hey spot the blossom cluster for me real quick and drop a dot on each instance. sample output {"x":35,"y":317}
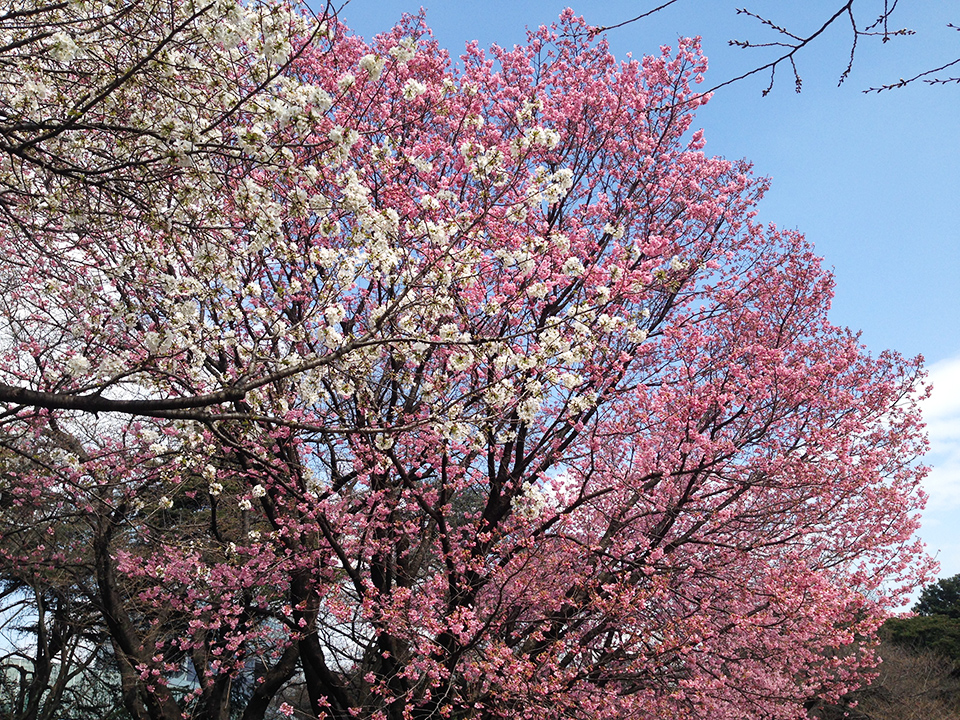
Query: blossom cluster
{"x":464,"y":390}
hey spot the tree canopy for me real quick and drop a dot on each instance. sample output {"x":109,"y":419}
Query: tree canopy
{"x":940,"y":598}
{"x":383,"y":388}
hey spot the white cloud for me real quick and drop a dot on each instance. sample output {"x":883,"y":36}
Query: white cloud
{"x":942,"y":415}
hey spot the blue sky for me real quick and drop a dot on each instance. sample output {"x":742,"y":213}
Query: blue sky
{"x":872,"y":179}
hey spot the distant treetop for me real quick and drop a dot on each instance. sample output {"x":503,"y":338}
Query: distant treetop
{"x":940,"y":598}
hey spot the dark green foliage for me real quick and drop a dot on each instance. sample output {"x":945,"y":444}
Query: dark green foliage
{"x":940,"y":598}
{"x":937,"y":633}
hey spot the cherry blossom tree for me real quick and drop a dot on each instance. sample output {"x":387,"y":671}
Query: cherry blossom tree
{"x":389,"y":388}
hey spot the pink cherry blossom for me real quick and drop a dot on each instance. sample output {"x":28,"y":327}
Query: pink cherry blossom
{"x":405,"y":389}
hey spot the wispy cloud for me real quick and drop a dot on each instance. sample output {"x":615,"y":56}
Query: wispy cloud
{"x":942,"y":415}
